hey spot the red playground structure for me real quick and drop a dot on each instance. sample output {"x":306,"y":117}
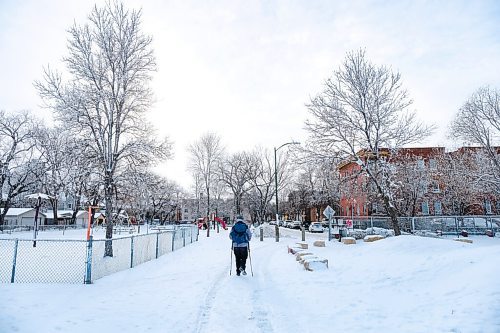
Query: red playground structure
{"x":202,"y":223}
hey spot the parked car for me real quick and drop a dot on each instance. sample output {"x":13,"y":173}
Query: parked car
{"x":316,"y":227}
{"x":295,"y":224}
{"x":288,"y":223}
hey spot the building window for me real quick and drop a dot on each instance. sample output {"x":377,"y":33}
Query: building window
{"x":432,"y":164}
{"x":437,"y":208}
{"x":487,"y":207}
{"x":422,"y":187}
{"x":425,"y":208}
{"x":435,"y":187}
{"x":185,"y":210}
{"x":420,"y":164}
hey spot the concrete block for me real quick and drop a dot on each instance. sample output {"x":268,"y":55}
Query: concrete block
{"x":298,"y":256}
{"x":465,"y":240}
{"x":372,"y":238}
{"x":319,"y":243}
{"x":307,"y":257}
{"x":303,"y":245}
{"x":348,"y":240}
{"x":294,"y":250}
{"x":316,"y":264}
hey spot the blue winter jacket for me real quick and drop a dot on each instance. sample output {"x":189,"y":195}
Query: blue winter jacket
{"x":240,"y":227}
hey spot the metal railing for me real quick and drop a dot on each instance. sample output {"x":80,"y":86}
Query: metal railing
{"x":446,"y":225}
{"x":80,"y":261}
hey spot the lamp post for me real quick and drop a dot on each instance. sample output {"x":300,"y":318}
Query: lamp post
{"x":276,"y":175}
{"x":38,"y":197}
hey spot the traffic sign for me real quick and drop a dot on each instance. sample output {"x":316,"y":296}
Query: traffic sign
{"x":328,"y":212}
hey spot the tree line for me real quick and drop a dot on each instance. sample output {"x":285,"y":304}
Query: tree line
{"x":101,"y":148}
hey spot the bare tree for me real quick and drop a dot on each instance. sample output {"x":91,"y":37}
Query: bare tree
{"x":20,"y":168}
{"x":110,"y":64}
{"x":53,"y":143}
{"x":412,"y":179}
{"x":235,"y":174}
{"x":206,"y":153}
{"x":478,"y":122}
{"x":364,"y":108}
{"x":262,"y":180}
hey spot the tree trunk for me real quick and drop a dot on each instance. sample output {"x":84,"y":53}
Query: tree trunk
{"x":391,"y":210}
{"x":108,"y":195}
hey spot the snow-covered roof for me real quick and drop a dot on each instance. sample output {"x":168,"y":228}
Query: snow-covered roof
{"x":18,"y":211}
{"x":63,"y":214}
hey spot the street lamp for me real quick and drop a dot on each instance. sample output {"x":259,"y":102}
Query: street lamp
{"x":38,"y":196}
{"x":276,"y":175}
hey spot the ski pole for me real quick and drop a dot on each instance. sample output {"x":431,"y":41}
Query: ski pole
{"x":231,"y":268}
{"x":250,"y":256}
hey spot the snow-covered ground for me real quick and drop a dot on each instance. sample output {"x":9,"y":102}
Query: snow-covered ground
{"x":399,"y":284}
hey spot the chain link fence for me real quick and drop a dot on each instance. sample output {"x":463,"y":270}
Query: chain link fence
{"x":79,"y":261}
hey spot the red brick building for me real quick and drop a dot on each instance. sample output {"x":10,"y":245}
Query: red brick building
{"x":427,"y":172}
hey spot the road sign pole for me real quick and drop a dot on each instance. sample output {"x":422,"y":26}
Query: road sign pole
{"x":329,"y":229}
{"x":329,"y":212}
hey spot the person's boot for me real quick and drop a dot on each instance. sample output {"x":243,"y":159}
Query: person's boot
{"x":237,"y":271}
{"x":243,"y":271}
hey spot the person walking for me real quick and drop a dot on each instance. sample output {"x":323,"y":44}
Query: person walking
{"x":240,"y":235}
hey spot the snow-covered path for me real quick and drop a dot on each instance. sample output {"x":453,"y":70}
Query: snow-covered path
{"x":400,"y":284}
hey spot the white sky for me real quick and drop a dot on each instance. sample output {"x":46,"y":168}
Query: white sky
{"x":400,"y":284}
{"x":245,"y":69}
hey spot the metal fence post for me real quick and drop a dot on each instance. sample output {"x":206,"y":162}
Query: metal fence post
{"x":173,"y":240}
{"x":157,"y":245}
{"x":14,"y":262}
{"x":131,"y":251}
{"x":413,"y":224}
{"x":183,"y":237}
{"x":88,"y":272}
{"x":371,"y":222}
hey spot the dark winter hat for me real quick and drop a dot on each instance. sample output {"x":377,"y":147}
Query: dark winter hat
{"x":239,"y":218}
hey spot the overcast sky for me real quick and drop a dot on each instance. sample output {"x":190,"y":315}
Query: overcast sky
{"x":245,"y":69}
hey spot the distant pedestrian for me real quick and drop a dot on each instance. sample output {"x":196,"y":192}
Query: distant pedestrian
{"x":240,"y":235}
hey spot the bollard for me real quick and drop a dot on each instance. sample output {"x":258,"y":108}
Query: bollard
{"x":157,"y":247}
{"x":88,"y":273}
{"x":277,"y":229}
{"x":14,"y":259}
{"x":132,"y":252}
{"x":261,"y":234}
{"x":303,"y":234}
